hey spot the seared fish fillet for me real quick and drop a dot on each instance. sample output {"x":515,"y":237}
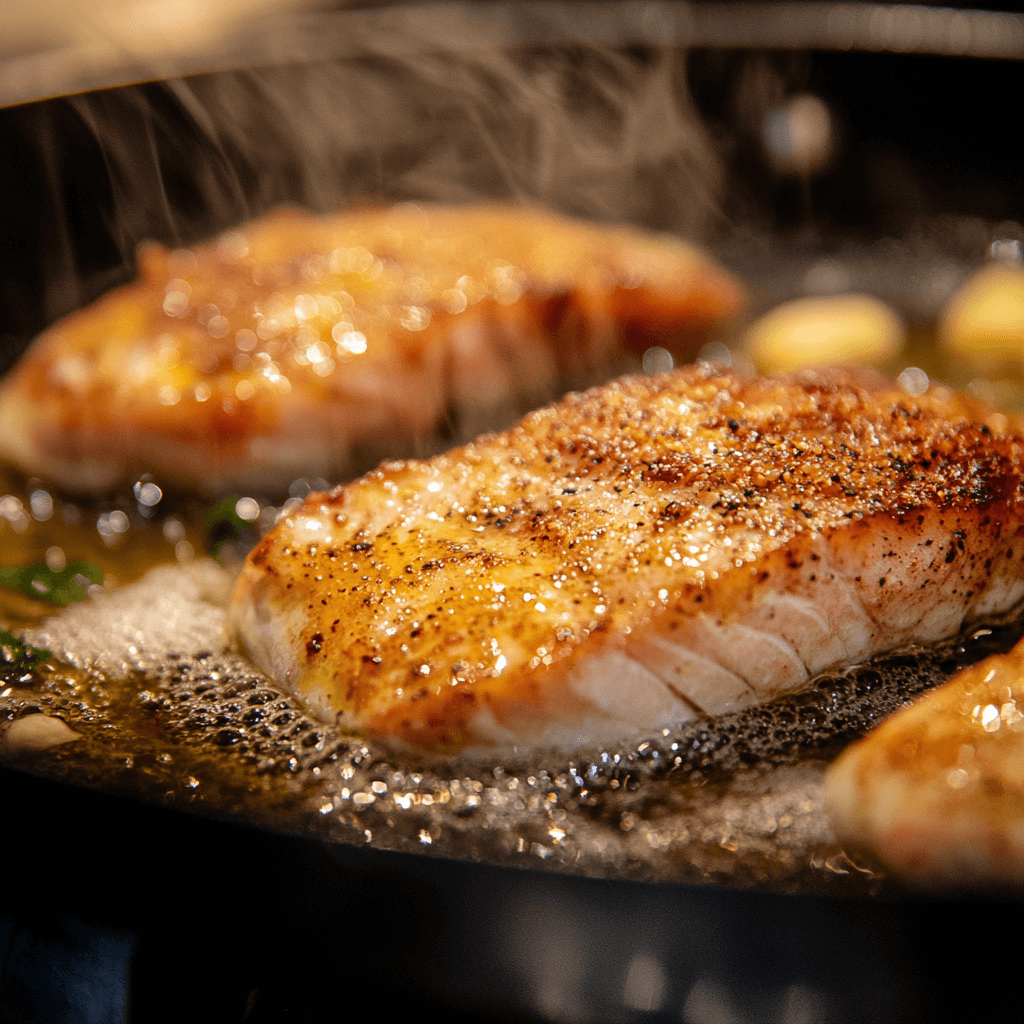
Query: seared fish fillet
{"x":647,"y":552}
{"x":306,"y":346}
{"x":937,"y":791}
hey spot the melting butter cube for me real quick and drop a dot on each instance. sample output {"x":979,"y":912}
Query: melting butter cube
{"x":849,"y":330}
{"x":984,"y":321}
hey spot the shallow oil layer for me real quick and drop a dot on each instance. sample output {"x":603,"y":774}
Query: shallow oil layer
{"x":165,"y":710}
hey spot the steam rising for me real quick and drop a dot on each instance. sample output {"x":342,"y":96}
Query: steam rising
{"x":590,"y":131}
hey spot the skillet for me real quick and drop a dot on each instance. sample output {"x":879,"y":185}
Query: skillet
{"x":238,"y":908}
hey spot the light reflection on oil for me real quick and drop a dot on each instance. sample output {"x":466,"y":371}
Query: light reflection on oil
{"x":645,"y":984}
{"x":799,"y":135}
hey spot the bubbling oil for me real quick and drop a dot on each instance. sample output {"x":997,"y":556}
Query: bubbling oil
{"x":166,"y":710}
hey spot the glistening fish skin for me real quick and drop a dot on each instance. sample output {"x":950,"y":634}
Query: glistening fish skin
{"x":640,"y":554}
{"x":315,"y":346}
{"x":937,"y":791}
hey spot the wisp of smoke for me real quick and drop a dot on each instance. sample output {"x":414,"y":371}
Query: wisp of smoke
{"x":596,"y":132}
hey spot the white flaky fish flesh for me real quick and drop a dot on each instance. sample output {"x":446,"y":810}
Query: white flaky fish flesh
{"x":639,"y":555}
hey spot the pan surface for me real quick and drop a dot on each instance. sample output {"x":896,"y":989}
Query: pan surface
{"x":214,"y":920}
{"x":288,"y":917}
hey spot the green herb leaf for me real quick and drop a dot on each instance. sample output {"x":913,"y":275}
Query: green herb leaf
{"x":60,"y":586}
{"x":18,"y":656}
{"x":224,"y":525}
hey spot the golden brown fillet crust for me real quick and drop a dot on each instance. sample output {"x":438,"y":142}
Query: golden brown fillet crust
{"x":937,"y":791}
{"x":427,"y":592}
{"x":282,"y":348}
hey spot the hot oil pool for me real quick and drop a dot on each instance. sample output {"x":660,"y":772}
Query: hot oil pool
{"x":154,"y":703}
